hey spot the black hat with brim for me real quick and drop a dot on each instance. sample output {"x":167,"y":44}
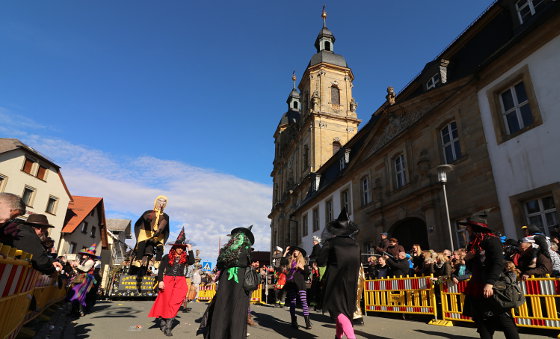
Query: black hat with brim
{"x":342,"y":226}
{"x":38,"y":220}
{"x":301,"y":250}
{"x":476,"y":225}
{"x":246,"y":231}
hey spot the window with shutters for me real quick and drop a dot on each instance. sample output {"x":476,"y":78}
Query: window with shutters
{"x":28,"y":166}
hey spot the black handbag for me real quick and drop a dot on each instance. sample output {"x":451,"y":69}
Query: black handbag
{"x":252,"y":280}
{"x":507,"y":293}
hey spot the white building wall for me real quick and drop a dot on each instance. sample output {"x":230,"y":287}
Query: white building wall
{"x":532,"y":159}
{"x":307,"y":241}
{"x":11,"y":165}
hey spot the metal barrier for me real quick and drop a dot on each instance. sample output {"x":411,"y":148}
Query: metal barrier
{"x":400,"y":295}
{"x":540,"y":310}
{"x":206,"y":292}
{"x":256,"y":295}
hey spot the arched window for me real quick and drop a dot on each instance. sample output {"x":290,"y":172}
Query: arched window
{"x":327,"y":45}
{"x":335,"y":95}
{"x":295,"y":104}
{"x":335,"y":147}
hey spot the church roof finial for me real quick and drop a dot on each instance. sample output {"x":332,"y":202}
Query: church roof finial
{"x":324,"y":16}
{"x":294,"y":78}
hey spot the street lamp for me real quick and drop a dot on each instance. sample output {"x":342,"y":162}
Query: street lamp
{"x":442,"y":171}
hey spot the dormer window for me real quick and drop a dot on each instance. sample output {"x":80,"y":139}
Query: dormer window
{"x":527,"y":8}
{"x":434,"y":81}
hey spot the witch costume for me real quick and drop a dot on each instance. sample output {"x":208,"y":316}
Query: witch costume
{"x":226,"y":316}
{"x":341,"y":255}
{"x":295,"y":284}
{"x":151,"y":231}
{"x":172,"y":273}
{"x":83,"y":282}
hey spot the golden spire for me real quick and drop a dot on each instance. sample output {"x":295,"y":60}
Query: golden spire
{"x":324,"y":16}
{"x":294,"y":78}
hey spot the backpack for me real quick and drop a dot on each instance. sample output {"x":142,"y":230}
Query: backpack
{"x":507,"y":293}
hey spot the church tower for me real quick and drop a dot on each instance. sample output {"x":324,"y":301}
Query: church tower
{"x":321,"y":118}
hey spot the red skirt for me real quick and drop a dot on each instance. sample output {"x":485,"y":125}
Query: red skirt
{"x":170,"y":298}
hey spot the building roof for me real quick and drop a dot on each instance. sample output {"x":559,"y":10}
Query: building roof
{"x":78,"y":210}
{"x":329,"y":58}
{"x":9,"y":144}
{"x":118,"y":225}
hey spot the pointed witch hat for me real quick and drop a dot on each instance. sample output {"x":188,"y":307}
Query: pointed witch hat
{"x":342,"y":226}
{"x":91,"y":251}
{"x":246,"y":231}
{"x":180,"y":242}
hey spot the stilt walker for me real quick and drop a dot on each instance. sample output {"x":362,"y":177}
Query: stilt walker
{"x":172,"y":283}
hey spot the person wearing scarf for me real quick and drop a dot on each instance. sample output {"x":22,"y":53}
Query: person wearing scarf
{"x":172,"y":283}
{"x":486,"y":262}
{"x":83,"y":282}
{"x":226,"y":316}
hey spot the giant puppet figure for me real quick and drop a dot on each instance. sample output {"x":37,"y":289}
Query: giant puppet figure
{"x":152,"y":231}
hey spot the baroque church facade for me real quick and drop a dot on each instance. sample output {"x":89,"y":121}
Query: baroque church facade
{"x":321,"y":118}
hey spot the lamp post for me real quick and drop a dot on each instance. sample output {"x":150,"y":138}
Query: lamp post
{"x":442,"y":171}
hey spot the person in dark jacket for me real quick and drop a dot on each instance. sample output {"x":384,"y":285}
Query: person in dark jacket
{"x":172,"y":283}
{"x":485,"y":260}
{"x":11,"y":207}
{"x":383,"y":243}
{"x":341,"y":255}
{"x":316,"y":249}
{"x":226,"y":316}
{"x":532,"y":261}
{"x":30,"y":239}
{"x":381,"y":269}
{"x":394,"y":248}
{"x":399,"y":266}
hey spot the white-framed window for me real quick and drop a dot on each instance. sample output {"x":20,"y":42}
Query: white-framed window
{"x":450,"y":143}
{"x":51,"y":205}
{"x":28,"y":196}
{"x":365,"y":192}
{"x":329,"y":210}
{"x":84,"y":227}
{"x":72,"y":248}
{"x":541,"y":212}
{"x":3,"y":180}
{"x":515,"y":108}
{"x":400,"y":171}
{"x":433,"y":81}
{"x":316,"y":219}
{"x":304,"y":226}
{"x":345,"y":200}
{"x":527,"y":8}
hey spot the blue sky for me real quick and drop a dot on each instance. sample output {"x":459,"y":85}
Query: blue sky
{"x":136,"y":97}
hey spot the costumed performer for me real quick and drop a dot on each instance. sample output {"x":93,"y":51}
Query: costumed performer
{"x":295,"y":286}
{"x":152,"y":231}
{"x":226,"y":316}
{"x":486,"y":262}
{"x":172,"y":283}
{"x":341,"y":255}
{"x":83,"y":281}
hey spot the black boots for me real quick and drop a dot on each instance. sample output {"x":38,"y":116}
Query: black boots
{"x":162,"y":323}
{"x":307,"y":322}
{"x":294,"y":322}
{"x":168,"y":326}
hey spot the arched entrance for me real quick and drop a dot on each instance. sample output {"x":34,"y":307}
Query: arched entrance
{"x":410,"y":231}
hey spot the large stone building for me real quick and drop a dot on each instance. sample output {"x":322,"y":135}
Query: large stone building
{"x":386,"y":175}
{"x":38,"y":180}
{"x":321,"y":118}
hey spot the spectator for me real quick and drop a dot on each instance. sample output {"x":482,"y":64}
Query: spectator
{"x":370,"y":269}
{"x":196,"y":280}
{"x":398,"y":266}
{"x":429,"y":261}
{"x":316,"y":249}
{"x":381,"y":269}
{"x":533,"y":262}
{"x":417,"y":259}
{"x":459,"y":266}
{"x":11,"y":207}
{"x":277,"y":257}
{"x":442,"y":266}
{"x":394,"y":248}
{"x":383,"y":243}
{"x":30,"y":239}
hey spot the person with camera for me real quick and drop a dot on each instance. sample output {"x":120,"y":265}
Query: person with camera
{"x":485,"y":260}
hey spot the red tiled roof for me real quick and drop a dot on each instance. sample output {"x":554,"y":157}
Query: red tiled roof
{"x":78,"y":209}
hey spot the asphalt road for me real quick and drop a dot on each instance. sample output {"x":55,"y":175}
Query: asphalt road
{"x":128,"y":319}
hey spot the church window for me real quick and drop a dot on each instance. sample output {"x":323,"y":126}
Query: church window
{"x":295,"y":105}
{"x":336,"y":147}
{"x":327,"y":46}
{"x":335,"y":95}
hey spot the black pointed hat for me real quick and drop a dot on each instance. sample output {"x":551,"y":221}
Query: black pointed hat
{"x":180,"y":242}
{"x":246,"y":231}
{"x":342,"y":225}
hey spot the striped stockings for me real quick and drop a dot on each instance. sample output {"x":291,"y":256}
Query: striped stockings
{"x":292,"y":295}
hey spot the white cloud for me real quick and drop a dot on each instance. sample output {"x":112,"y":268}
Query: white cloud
{"x":208,"y":203}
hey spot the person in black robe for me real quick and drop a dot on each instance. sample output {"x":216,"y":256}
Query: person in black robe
{"x":341,"y":255}
{"x":486,"y":262}
{"x":226,"y":316}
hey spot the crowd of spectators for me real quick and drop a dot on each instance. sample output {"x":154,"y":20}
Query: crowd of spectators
{"x":533,"y":255}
